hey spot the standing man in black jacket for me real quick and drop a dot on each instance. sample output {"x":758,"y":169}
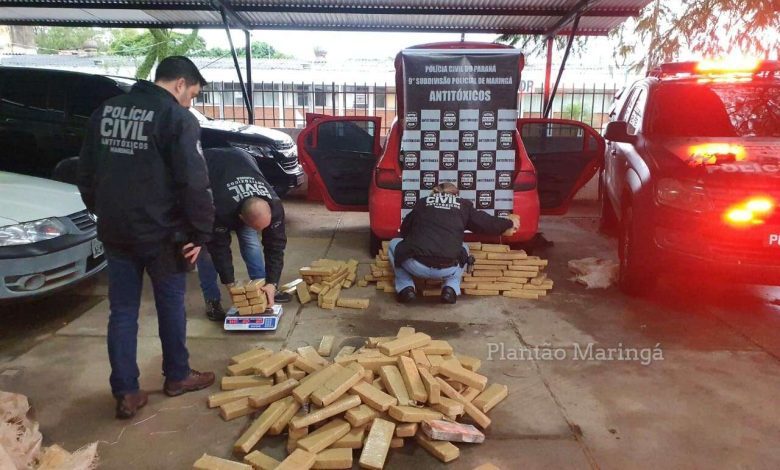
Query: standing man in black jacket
{"x":432,"y":245}
{"x":142,"y":172}
{"x":242,"y":197}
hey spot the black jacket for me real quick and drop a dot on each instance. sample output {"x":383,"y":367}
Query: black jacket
{"x":235,"y":177}
{"x":141,"y":171}
{"x":433,"y":232}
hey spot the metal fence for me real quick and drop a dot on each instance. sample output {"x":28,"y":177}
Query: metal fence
{"x":285,"y":105}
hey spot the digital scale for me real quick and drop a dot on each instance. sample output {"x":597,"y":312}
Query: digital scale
{"x":267,"y":322}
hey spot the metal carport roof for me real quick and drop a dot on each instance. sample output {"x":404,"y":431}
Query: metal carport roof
{"x":542,"y":17}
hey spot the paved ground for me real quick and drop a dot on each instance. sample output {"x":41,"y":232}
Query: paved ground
{"x":711,"y":402}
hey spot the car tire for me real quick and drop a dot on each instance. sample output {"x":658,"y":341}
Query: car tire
{"x":636,"y":275}
{"x":374,"y":244}
{"x":608,"y":221}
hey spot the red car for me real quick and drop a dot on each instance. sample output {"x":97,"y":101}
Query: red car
{"x":349,"y":170}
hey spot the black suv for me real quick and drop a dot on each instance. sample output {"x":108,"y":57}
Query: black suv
{"x":691,"y":176}
{"x":43,"y":115}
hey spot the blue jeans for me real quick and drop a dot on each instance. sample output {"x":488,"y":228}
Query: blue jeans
{"x":411,"y":268}
{"x":125,"y":280}
{"x":251,"y":252}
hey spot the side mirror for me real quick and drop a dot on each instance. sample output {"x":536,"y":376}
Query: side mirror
{"x":617,"y":131}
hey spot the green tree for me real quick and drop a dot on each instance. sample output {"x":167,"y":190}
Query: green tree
{"x":52,"y":40}
{"x":665,"y":29}
{"x":154,"y":45}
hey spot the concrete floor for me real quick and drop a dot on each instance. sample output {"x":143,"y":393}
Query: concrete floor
{"x":711,"y":402}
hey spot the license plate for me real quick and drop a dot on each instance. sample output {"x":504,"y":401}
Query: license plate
{"x":97,"y":248}
{"x":299,"y":180}
{"x":772,"y":239}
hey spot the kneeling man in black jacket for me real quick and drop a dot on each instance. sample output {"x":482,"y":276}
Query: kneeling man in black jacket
{"x":432,"y":245}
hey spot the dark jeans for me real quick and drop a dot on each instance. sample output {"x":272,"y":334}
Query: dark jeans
{"x":125,"y":280}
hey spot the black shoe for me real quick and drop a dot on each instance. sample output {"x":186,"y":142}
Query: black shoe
{"x":448,"y":295}
{"x":214,"y":310}
{"x":282,"y":297}
{"x":406,"y":295}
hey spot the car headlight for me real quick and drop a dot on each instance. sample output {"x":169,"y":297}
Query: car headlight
{"x":31,"y":232}
{"x":256,"y":150}
{"x":683,"y":195}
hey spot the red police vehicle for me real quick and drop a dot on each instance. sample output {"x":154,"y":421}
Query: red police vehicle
{"x":349,"y":170}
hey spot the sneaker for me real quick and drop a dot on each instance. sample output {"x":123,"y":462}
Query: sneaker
{"x":406,"y":295}
{"x":282,"y":297}
{"x":448,"y":295}
{"x":214,"y":310}
{"x":195,"y":381}
{"x":128,"y":405}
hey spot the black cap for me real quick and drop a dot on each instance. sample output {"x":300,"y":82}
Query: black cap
{"x":176,"y":67}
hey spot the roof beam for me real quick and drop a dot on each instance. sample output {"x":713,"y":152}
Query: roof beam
{"x":229,"y":14}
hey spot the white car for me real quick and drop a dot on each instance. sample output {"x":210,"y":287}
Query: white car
{"x":48,"y":239}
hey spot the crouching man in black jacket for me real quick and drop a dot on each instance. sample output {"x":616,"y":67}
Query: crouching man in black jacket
{"x":432,"y":245}
{"x":242,"y":197}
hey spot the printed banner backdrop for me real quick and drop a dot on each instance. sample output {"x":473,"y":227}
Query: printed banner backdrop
{"x":460,"y":118}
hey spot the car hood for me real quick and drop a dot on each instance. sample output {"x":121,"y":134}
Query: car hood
{"x":735,"y":157}
{"x":25,"y":198}
{"x":277,"y":137}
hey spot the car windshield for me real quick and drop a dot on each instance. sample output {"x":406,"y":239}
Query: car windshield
{"x":716,"y":110}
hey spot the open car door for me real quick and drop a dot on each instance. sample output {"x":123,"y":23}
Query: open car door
{"x":566,"y":155}
{"x":339,"y":154}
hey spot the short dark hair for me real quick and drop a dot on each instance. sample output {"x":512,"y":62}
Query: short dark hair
{"x":176,"y":67}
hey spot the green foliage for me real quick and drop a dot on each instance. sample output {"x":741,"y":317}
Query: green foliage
{"x":260,"y":50}
{"x":154,"y":45}
{"x":52,"y":40}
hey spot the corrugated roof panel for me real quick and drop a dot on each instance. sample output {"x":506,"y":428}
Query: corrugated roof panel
{"x":490,"y":23}
{"x":173,"y":16}
{"x":497,"y":16}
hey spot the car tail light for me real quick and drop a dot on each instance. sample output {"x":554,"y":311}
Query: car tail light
{"x":388,"y":179}
{"x":750,"y":212}
{"x":524,"y":181}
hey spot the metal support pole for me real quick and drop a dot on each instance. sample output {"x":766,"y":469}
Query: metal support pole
{"x":548,"y":72}
{"x":238,"y":67}
{"x":573,"y":33}
{"x":250,"y":87}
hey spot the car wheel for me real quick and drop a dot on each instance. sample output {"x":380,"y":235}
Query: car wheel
{"x":636,"y":275}
{"x":374,"y":244}
{"x":608,"y":222}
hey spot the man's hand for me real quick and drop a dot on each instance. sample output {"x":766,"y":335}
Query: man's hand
{"x":515,"y":225}
{"x":270,"y":292}
{"x":515,"y":222}
{"x":191,"y":252}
